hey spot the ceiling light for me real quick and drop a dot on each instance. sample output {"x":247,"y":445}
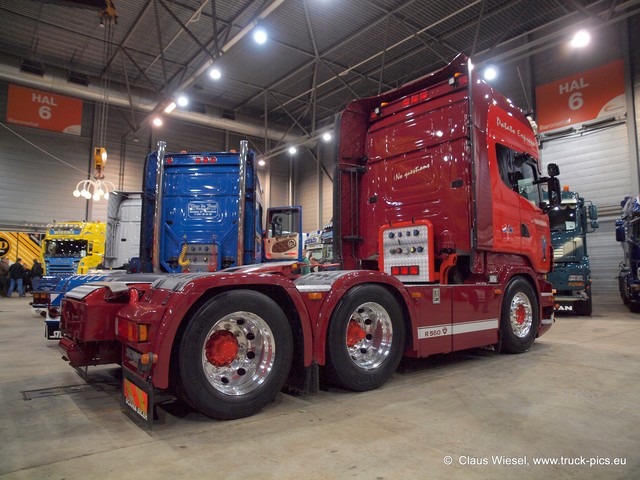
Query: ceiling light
{"x":215,"y":74}
{"x":157,"y":122}
{"x":293,"y":150}
{"x":261,"y":162}
{"x":183,"y":100}
{"x":490,"y":73}
{"x":95,"y":189}
{"x":170,"y":108}
{"x":326,"y":137}
{"x":581,"y":39}
{"x":260,"y":36}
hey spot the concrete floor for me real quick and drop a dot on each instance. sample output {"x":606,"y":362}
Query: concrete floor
{"x":573,"y":398}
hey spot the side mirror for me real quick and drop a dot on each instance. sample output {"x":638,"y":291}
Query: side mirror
{"x":620,"y":234}
{"x":553,"y":170}
{"x":554,"y":192}
{"x":593,"y":212}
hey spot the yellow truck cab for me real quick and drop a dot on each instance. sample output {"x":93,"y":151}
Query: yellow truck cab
{"x":73,"y":247}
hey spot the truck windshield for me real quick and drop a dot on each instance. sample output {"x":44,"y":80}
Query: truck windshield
{"x":66,"y":248}
{"x":563,"y":217}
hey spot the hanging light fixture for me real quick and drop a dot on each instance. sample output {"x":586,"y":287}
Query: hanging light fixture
{"x":98,"y":187}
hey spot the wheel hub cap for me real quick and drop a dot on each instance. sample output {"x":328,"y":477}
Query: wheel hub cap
{"x":221,"y":348}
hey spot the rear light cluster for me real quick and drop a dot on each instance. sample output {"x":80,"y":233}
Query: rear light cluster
{"x":40,"y":298}
{"x":132,"y":332}
{"x":406,"y":270}
{"x":405,"y":102}
{"x":415,"y":98}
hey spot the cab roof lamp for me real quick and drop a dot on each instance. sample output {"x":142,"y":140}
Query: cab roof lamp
{"x":581,"y":39}
{"x":260,"y":36}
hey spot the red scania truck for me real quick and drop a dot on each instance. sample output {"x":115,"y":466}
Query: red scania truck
{"x":444,"y":245}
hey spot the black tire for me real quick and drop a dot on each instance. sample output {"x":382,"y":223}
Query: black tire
{"x":365,"y":339}
{"x":622,"y":286}
{"x":519,"y":317}
{"x":235,"y":355}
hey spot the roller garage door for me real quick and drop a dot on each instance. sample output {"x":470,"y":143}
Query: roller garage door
{"x":595,"y":163}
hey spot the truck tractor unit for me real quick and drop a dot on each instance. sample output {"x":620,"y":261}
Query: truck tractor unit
{"x":571,"y":277}
{"x":442,"y":242}
{"x":73,"y":247}
{"x":628,"y":234}
{"x":205,"y":209}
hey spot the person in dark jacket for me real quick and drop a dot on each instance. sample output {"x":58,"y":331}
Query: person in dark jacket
{"x":16,"y":274}
{"x":36,"y":275}
{"x":4,"y":276}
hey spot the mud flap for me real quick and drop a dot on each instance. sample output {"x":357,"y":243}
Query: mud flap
{"x":303,"y":380}
{"x":138,"y":399}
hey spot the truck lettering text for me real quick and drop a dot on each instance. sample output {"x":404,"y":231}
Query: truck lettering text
{"x":400,"y":176}
{"x":505,"y":125}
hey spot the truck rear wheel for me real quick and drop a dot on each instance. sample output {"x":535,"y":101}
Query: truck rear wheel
{"x":365,"y":339}
{"x":519,"y":317}
{"x":235,"y":355}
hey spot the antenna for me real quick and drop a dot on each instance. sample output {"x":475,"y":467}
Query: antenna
{"x":524,"y":90}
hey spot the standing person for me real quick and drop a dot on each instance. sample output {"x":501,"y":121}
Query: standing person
{"x":4,"y":272}
{"x":16,"y":274}
{"x":305,"y":263}
{"x":36,"y":275}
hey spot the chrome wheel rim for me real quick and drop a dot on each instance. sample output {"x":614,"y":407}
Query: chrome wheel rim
{"x":521,"y":315}
{"x":238,"y":353}
{"x":369,"y":335}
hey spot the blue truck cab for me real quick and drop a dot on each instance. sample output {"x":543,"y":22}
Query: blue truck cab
{"x":202,"y":210}
{"x":570,"y":222}
{"x":628,"y":234}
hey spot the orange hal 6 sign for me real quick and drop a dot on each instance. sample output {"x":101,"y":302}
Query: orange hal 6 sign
{"x":45,"y":110}
{"x":596,"y":93}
